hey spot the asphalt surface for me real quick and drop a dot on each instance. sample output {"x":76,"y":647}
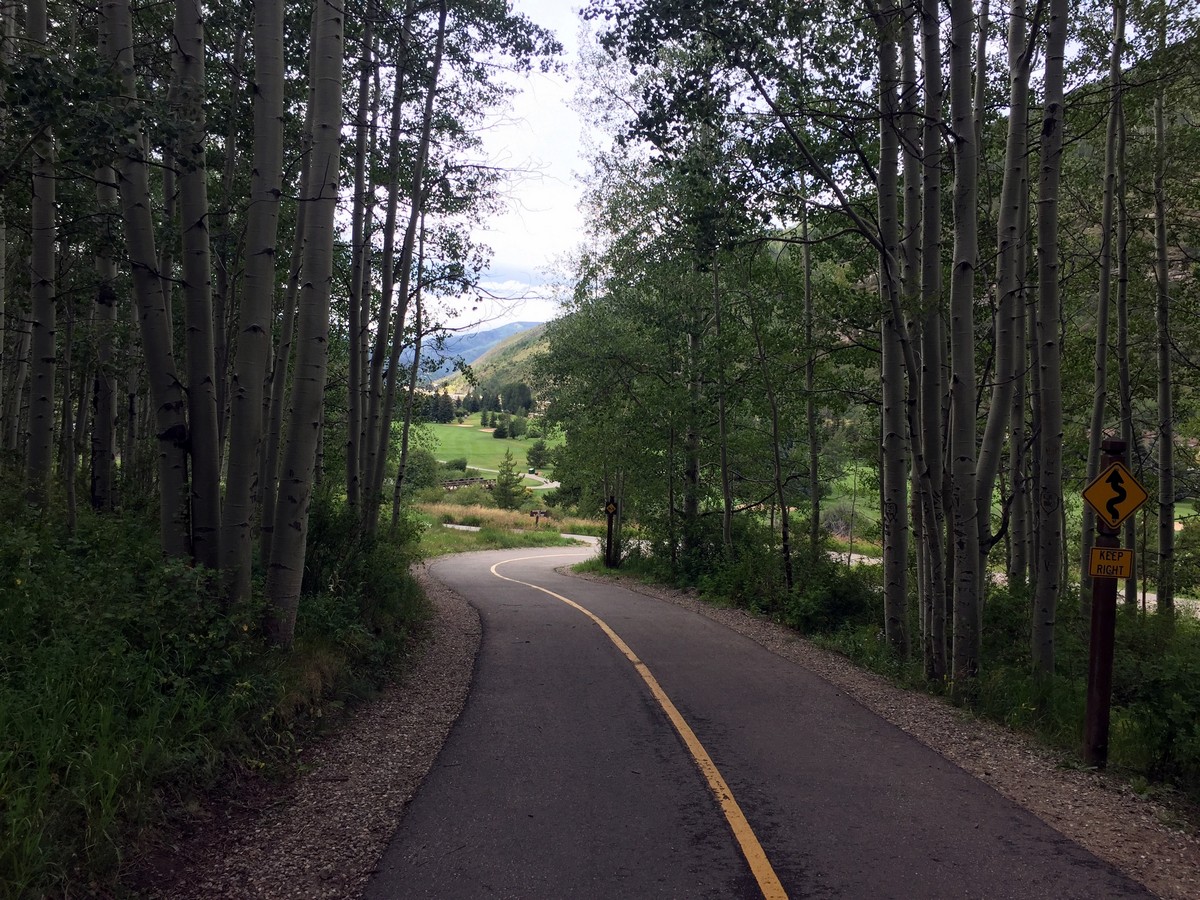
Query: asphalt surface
{"x":564,"y":778}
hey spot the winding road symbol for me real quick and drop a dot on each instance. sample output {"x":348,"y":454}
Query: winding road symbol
{"x":1113,"y":505}
{"x":1115,"y":495}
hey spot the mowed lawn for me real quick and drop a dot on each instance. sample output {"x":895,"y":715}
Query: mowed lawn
{"x":481,"y":450}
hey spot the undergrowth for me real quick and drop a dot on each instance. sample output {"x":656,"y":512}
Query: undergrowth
{"x":126,"y":689}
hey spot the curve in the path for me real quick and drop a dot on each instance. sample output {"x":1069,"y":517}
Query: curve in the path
{"x":564,"y":778}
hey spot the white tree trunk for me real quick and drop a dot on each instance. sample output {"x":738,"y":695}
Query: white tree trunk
{"x":285,"y":571}
{"x":1166,"y":415}
{"x":151,"y":300}
{"x":195,"y":262}
{"x":1049,"y":487}
{"x":1103,"y":303}
{"x":967,"y":601}
{"x":249,"y":372}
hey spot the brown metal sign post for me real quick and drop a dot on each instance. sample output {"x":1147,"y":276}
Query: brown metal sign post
{"x":1115,"y":495}
{"x":610,"y":550}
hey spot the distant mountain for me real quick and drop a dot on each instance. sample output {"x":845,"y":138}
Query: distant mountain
{"x":505,"y":362}
{"x":470,"y":346}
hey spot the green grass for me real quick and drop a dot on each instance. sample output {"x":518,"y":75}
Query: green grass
{"x":479,"y":448}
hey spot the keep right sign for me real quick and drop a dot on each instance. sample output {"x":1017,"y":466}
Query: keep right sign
{"x":1110,"y":562}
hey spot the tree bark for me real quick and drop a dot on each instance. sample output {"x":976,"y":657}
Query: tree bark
{"x":1166,"y":415}
{"x":413,"y":375}
{"x":195,"y":260}
{"x":43,"y":279}
{"x":1049,"y":508}
{"x":722,"y":422}
{"x":358,"y":284}
{"x":225,"y":292}
{"x":279,"y":380}
{"x":894,"y":447}
{"x":1020,"y":526}
{"x":1127,"y":432}
{"x":967,"y":605}
{"x":8,"y":22}
{"x":151,"y":299}
{"x":933,"y":342}
{"x":248,"y":381}
{"x":373,"y":427}
{"x":1010,"y":274}
{"x":1103,"y":303}
{"x":286,"y":569}
{"x":104,"y":431}
{"x":777,"y":469}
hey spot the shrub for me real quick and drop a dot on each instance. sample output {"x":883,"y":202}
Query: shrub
{"x":830,"y":596}
{"x":1187,"y":560}
{"x":125,"y":687}
{"x":472,"y":495}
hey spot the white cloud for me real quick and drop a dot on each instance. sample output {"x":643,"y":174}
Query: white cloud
{"x":540,"y":136}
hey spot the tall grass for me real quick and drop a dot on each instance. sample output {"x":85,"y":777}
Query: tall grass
{"x":479,"y":515}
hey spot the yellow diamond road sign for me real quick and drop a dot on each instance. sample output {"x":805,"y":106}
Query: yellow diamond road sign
{"x":1115,"y":495}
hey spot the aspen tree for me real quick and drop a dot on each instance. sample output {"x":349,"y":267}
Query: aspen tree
{"x":195,"y":262}
{"x":1104,"y":300}
{"x":1010,"y":274}
{"x":1162,"y":307}
{"x":42,"y":284}
{"x":273,"y":442}
{"x":1049,"y":489}
{"x":933,"y":342}
{"x":151,"y":299}
{"x":103,"y":442}
{"x":286,"y":568}
{"x":967,"y":602}
{"x":8,"y":21}
{"x":417,"y":195}
{"x":257,"y":307}
{"x":373,"y":424}
{"x":359,"y":285}
{"x":894,"y":449}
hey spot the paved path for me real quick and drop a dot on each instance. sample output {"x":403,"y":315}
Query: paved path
{"x":564,"y":776}
{"x":541,"y":482}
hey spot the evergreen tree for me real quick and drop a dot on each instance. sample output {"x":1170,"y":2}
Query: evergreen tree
{"x":508,"y":492}
{"x":538,"y":455}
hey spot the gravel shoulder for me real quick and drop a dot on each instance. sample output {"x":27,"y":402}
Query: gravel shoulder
{"x":323,"y":836}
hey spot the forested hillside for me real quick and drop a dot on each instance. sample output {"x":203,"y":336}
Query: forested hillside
{"x":454,"y":348}
{"x":507,"y":362}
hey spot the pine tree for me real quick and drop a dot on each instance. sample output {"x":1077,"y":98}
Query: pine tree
{"x":508,"y":492}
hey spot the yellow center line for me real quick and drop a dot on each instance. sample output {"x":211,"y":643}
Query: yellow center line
{"x":768,"y":881}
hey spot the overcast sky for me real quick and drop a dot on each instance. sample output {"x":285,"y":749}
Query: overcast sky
{"x":539,"y":133}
